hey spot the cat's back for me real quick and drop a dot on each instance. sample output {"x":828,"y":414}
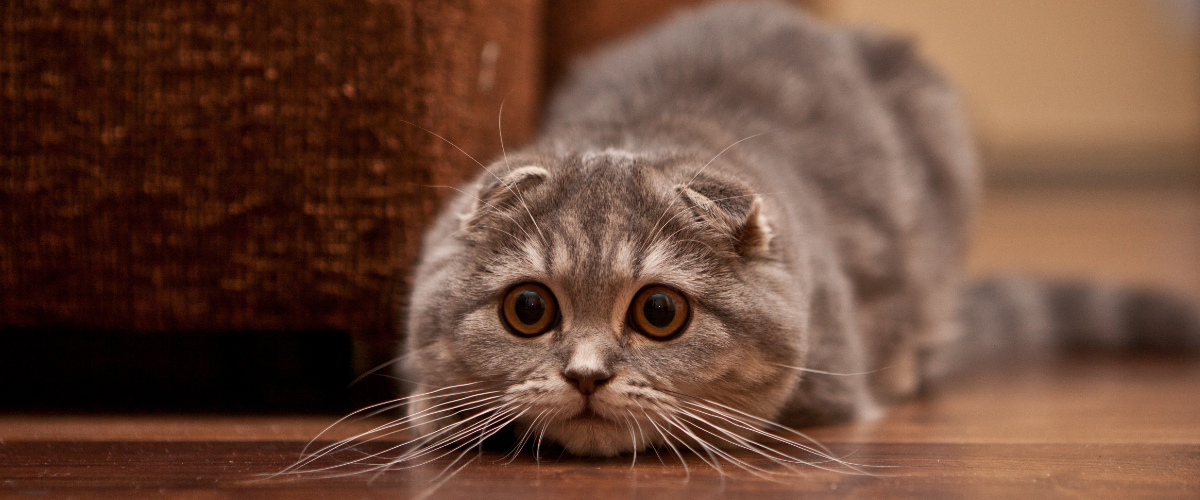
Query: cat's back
{"x":845,"y":107}
{"x":743,"y":62}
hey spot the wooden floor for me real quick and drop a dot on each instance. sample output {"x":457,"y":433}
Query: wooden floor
{"x":1090,"y":427}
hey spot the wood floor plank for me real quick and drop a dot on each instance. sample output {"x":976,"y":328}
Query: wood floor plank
{"x":901,"y":470}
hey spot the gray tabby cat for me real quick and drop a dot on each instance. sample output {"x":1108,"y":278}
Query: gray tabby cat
{"x":718,"y":217}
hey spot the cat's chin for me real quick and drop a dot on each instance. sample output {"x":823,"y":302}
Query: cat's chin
{"x":591,"y":437}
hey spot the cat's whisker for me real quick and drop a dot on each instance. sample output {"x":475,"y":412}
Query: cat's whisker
{"x":500,"y":412}
{"x":516,"y":449}
{"x":732,"y":438}
{"x":537,"y":453}
{"x":528,"y":432}
{"x":463,"y":404}
{"x":711,"y":450}
{"x":386,"y":364}
{"x":718,"y":155}
{"x":667,"y":440}
{"x":642,"y":433}
{"x":633,"y":443}
{"x":655,"y":229}
{"x":432,"y":489}
{"x":496,"y":209}
{"x":510,"y":235}
{"x":455,"y":146}
{"x":715,"y":200}
{"x":690,"y":225}
{"x":658,"y":229}
{"x":708,"y":449}
{"x":721,"y":432}
{"x":426,"y":449}
{"x":446,"y":414}
{"x":480,"y":440}
{"x":488,"y":418}
{"x":460,"y":404}
{"x":421,"y":398}
{"x":711,"y":202}
{"x":743,"y":444}
{"x":729,"y":410}
{"x":819,"y":450}
{"x":710,"y":248}
{"x":740,"y":422}
{"x":385,"y":404}
{"x":422,"y":449}
{"x":822,"y":372}
{"x":487,"y":431}
{"x":500,"y":129}
{"x":424,"y":439}
{"x":660,"y":225}
{"x":489,"y":171}
{"x":786,"y":460}
{"x":738,"y":419}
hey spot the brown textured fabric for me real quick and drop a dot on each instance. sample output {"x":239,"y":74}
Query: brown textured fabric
{"x":246,"y":165}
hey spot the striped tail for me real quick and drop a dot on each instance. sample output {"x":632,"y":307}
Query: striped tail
{"x":1021,"y":315}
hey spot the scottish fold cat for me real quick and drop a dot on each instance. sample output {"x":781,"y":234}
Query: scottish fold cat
{"x":738,"y":222}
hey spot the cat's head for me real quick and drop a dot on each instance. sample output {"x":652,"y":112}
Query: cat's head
{"x":602,"y":300}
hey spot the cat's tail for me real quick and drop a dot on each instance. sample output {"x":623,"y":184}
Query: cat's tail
{"x":1016,"y":314}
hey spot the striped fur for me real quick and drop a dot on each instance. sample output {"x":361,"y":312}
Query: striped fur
{"x":1021,"y":315}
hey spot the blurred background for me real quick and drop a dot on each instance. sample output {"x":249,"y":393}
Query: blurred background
{"x":213,"y":206}
{"x":1087,"y":115}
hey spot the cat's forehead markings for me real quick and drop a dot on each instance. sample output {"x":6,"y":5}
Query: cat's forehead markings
{"x":607,"y":241}
{"x":614,"y":252}
{"x":562,"y":258}
{"x":533,"y":256}
{"x":515,"y":265}
{"x":662,"y":264}
{"x":621,"y":257}
{"x":618,"y":157}
{"x":657,"y":259}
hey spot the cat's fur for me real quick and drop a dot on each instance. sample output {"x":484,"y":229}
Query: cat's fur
{"x":808,"y":188}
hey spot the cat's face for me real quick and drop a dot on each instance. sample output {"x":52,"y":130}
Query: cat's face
{"x":602,"y":301}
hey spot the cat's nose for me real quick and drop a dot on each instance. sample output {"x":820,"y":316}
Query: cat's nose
{"x":586,"y":380}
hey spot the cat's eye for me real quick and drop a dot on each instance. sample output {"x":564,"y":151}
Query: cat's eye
{"x":529,"y":309}
{"x":658,"y":312}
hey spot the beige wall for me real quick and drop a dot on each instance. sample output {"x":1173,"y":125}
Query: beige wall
{"x":1080,"y":86}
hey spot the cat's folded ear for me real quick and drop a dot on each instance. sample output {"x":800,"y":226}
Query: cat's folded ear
{"x":499,"y":192}
{"x":737,"y":220}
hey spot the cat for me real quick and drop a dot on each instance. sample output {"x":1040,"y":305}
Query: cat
{"x":738,"y":222}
